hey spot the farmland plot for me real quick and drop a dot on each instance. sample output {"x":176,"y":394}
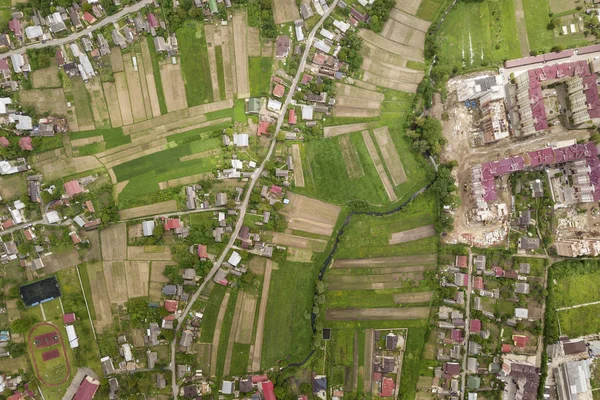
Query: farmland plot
{"x":209,"y":31}
{"x":285,"y":11}
{"x":376,"y":314}
{"x":351,"y":158}
{"x":173,"y":86}
{"x":311,"y":215}
{"x":379,"y":166}
{"x":390,"y":155}
{"x":413,"y":234}
{"x":240,"y":32}
{"x":136,"y":97}
{"x":112,"y":99}
{"x":114,"y":247}
{"x":123,"y":96}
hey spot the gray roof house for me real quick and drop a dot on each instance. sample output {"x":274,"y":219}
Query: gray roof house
{"x":169,"y":290}
{"x":186,"y":339}
{"x":221,"y":199}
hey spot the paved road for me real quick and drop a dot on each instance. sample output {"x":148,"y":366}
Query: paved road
{"x":178,"y":213}
{"x":249,"y":190}
{"x":77,"y":35}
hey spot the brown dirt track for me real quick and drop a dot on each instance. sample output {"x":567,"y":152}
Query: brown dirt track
{"x":385,"y":181}
{"x":413,"y":234}
{"x":389,"y":152}
{"x":385,"y":261}
{"x":285,"y":11}
{"x":376,"y":314}
{"x":417,"y":297}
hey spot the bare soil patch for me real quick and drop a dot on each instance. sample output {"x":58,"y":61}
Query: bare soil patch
{"x":353,"y":166}
{"x":123,"y":96}
{"x":243,"y":333}
{"x":116,"y":60}
{"x":46,"y":77}
{"x":418,"y":297}
{"x":100,"y":297}
{"x":186,"y":180}
{"x":152,"y":209}
{"x":260,"y":325}
{"x":376,"y":314}
{"x":240,"y":34}
{"x":114,"y":273}
{"x":114,"y":242}
{"x":112,"y":100}
{"x":59,"y":261}
{"x":217,"y":334}
{"x":138,"y":275}
{"x":371,"y":51}
{"x":149,"y":253}
{"x":86,"y":141}
{"x":331,"y":131}
{"x":45,"y":100}
{"x":135,"y":231}
{"x":157,"y":271}
{"x":69,"y":166}
{"x":173,"y":87}
{"x":301,"y":242}
{"x":413,"y":234}
{"x":379,"y":166}
{"x":356,"y":102}
{"x":390,"y":155}
{"x":285,"y":11}
{"x":409,"y":20}
{"x":311,"y":215}
{"x":385,"y":261}
{"x":94,"y":253}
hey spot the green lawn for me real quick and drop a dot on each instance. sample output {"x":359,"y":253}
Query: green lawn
{"x":476,"y":33}
{"x":540,"y":38}
{"x":220,"y":71}
{"x":260,"y":70}
{"x":157,"y":79}
{"x":368,"y":236}
{"x":194,"y":63}
{"x":287,"y":333}
{"x":239,"y":111}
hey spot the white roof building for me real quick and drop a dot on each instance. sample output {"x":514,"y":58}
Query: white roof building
{"x":274,"y":105}
{"x":24,"y":122}
{"x":75,"y":50}
{"x":342,"y":26}
{"x":79,"y":221}
{"x":33,"y":32}
{"x":16,"y":216}
{"x":4,"y":101}
{"x":235,"y":259}
{"x":307,"y":113}
{"x":237,"y":164}
{"x":522,"y":313}
{"x":327,"y":34}
{"x":127,"y":352}
{"x":53,"y":217}
{"x":148,"y":228}
{"x":227,"y":387}
{"x":6,"y":168}
{"x":73,"y":340}
{"x":240,"y":140}
{"x":321,"y":45}
{"x":299,"y":33}
{"x":17,"y":62}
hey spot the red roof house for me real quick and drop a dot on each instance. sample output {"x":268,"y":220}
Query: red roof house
{"x":8,"y":223}
{"x":4,"y":141}
{"x":475,"y":326}
{"x":268,"y":390}
{"x":25,"y":143}
{"x":452,"y":368}
{"x":75,"y":237}
{"x":276,"y":189}
{"x":171,"y":305}
{"x":90,"y":206}
{"x":152,"y":20}
{"x":202,"y":251}
{"x":306,"y":78}
{"x":89,"y":18}
{"x":87,"y":389}
{"x":69,"y":318}
{"x":278,"y":90}
{"x":387,"y":387}
{"x":73,"y":188}
{"x":15,"y":27}
{"x":259,"y":378}
{"x":292,"y":117}
{"x":172,"y":223}
{"x":506,"y":348}
{"x":462,"y":261}
{"x":28,"y":233}
{"x":60,"y":57}
{"x":4,"y":65}
{"x":457,"y":335}
{"x":511,"y":274}
{"x":263,"y":128}
{"x":498,"y":271}
{"x":477,"y":282}
{"x":520,"y":341}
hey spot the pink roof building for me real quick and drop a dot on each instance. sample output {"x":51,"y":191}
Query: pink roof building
{"x":73,"y":188}
{"x":202,"y":251}
{"x":475,"y":326}
{"x":477,"y":283}
{"x":25,"y":143}
{"x":171,"y":305}
{"x":89,"y":18}
{"x":278,"y":90}
{"x":276,"y":189}
{"x":4,"y":141}
{"x":263,"y":128}
{"x":292,"y":117}
{"x":268,"y":390}
{"x":506,"y":348}
{"x":520,"y":341}
{"x":152,"y":20}
{"x":90,"y":206}
{"x":15,"y":27}
{"x":69,"y":318}
{"x":87,"y":389}
{"x":387,"y":387}
{"x":172,"y":223}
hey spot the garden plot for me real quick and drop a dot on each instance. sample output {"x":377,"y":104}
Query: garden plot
{"x":150,"y":82}
{"x":339,"y":111}
{"x":112,"y":100}
{"x":310,"y":215}
{"x":379,"y":270}
{"x":186,"y":180}
{"x":285,"y":11}
{"x":114,"y":243}
{"x":138,"y":275}
{"x":409,"y":6}
{"x":231,"y":334}
{"x":98,"y":103}
{"x":123,"y":96}
{"x":45,"y":100}
{"x":262,"y":312}
{"x":46,"y":77}
{"x":158,"y":271}
{"x":373,"y":282}
{"x":173,"y":86}
{"x":298,"y":171}
{"x":386,"y":261}
{"x":332,"y":131}
{"x":209,"y":32}
{"x":392,"y":72}
{"x":245,"y":326}
{"x":300,"y":242}
{"x":116,"y":280}
{"x":369,"y":50}
{"x":376,"y":314}
{"x":351,"y":159}
{"x":379,"y":166}
{"x":68,"y":166}
{"x":342,"y":89}
{"x":59,"y":261}
{"x":217,"y":334}
{"x":136,"y":96}
{"x":141,"y":72}
{"x":228,"y":61}
{"x":149,"y":253}
{"x":356,"y":102}
{"x":152,"y":209}
{"x":390,"y":155}
{"x":413,"y":234}
{"x":100,"y":297}
{"x":240,"y":33}
{"x":87,"y":140}
{"x":116,"y":60}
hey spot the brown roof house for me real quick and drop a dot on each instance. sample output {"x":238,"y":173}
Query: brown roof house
{"x":282,"y":46}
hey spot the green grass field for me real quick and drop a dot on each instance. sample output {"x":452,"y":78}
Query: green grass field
{"x":260,"y":70}
{"x":368,"y":236}
{"x":211,"y":311}
{"x":113,"y":137}
{"x":287,"y":333}
{"x":157,"y":79}
{"x":220,"y":71}
{"x":369,"y":298}
{"x":429,"y":10}
{"x":540,"y":38}
{"x":225,"y":332}
{"x":194,"y":63}
{"x":477,"y":33}
{"x":571,"y":321}
{"x":577,"y":289}
{"x":82,"y":102}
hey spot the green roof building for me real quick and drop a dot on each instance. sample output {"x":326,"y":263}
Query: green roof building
{"x":473,"y":382}
{"x":253,"y":106}
{"x":213,"y":6}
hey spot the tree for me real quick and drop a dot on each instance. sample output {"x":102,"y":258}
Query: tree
{"x":425,"y":135}
{"x":21,"y":325}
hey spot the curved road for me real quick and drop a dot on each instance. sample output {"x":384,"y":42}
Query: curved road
{"x":74,"y":36}
{"x":244,"y":205}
